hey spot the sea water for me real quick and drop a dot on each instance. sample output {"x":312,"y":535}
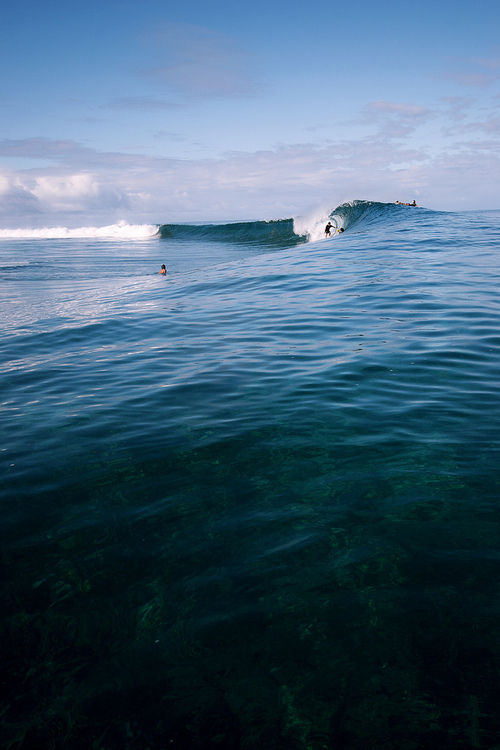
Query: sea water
{"x":254,"y":503}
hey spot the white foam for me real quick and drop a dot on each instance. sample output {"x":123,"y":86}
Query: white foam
{"x":121,"y":230}
{"x":313,"y":224}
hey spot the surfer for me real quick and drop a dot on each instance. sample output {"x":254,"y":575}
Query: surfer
{"x":162,"y":270}
{"x":328,"y":229}
{"x":340,"y":230}
{"x":407,"y":204}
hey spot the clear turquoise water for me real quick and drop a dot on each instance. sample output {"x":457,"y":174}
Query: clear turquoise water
{"x":254,"y":504}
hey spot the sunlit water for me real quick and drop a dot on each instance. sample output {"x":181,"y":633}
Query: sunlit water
{"x":254,"y":503}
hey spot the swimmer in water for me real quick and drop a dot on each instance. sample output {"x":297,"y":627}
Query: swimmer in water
{"x":162,"y":270}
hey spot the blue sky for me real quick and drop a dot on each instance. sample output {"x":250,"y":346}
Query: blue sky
{"x":158,"y":111}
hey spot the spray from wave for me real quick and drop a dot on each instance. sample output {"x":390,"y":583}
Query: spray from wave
{"x":312,"y":225}
{"x":118,"y":231}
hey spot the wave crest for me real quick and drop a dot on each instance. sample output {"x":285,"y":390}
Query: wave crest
{"x":121,"y":230}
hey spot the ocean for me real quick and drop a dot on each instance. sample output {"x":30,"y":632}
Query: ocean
{"x":254,"y":503}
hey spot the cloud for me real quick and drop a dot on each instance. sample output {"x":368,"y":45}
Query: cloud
{"x":169,"y":136}
{"x":38,"y":195}
{"x":492,"y":64}
{"x":490,"y":126}
{"x":460,"y":111}
{"x":483,"y":146}
{"x":472,"y":80}
{"x":198,"y":61}
{"x":41,"y":148}
{"x":16,"y":199}
{"x":395,"y":119}
{"x":457,"y":108}
{"x":77,"y":192}
{"x":475,"y":72}
{"x":407,"y":111}
{"x":69,"y":153}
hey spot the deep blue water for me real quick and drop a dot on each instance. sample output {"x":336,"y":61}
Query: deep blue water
{"x":254,"y":503}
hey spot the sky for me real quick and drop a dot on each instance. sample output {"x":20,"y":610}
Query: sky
{"x":150,"y":111}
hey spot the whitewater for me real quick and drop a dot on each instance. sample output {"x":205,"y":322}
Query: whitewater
{"x":253,"y":503}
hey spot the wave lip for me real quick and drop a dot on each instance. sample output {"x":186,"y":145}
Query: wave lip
{"x":365,"y":212}
{"x":118,"y":231}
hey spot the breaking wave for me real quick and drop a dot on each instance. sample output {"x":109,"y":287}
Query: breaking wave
{"x":121,"y":230}
{"x":279,"y":233}
{"x":290,"y":232}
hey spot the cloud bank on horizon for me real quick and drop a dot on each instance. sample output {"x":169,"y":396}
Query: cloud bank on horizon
{"x":128,"y":112}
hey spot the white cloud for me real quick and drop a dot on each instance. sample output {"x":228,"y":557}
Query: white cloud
{"x":78,"y":192}
{"x":16,"y":199}
{"x":29,"y":195}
